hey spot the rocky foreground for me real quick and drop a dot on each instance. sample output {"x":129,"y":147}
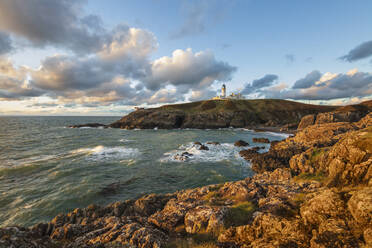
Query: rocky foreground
{"x":311,"y":190}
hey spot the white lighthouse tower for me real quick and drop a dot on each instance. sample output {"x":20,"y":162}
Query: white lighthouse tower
{"x":223,"y":91}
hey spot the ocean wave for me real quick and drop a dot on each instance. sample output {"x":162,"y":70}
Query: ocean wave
{"x":284,"y":135}
{"x":106,"y":153}
{"x":216,"y":153}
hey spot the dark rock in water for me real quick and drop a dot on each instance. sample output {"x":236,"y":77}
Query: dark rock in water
{"x":248,"y":154}
{"x":183,"y":157}
{"x":213,"y":143}
{"x":241,"y":143}
{"x":95,"y":125}
{"x":197,"y":143}
{"x":203,"y":147}
{"x":261,"y":140}
{"x":187,"y":154}
{"x":110,"y":189}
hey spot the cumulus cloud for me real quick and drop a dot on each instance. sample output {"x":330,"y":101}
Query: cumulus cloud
{"x":14,"y":82}
{"x":197,"y":95}
{"x":309,"y":80}
{"x":5,"y":43}
{"x":265,"y":81}
{"x":116,"y":67}
{"x":52,"y":22}
{"x":362,"y":51}
{"x":329,"y":86}
{"x":196,"y":70}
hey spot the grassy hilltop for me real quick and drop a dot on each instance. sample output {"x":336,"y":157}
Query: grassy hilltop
{"x":221,"y":113}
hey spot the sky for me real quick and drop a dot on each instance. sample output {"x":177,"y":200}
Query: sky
{"x":93,"y":57}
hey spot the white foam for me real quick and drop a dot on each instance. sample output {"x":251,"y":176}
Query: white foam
{"x":125,"y":140}
{"x":106,"y":153}
{"x":216,"y":153}
{"x":284,"y":135}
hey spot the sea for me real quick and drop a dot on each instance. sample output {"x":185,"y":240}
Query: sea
{"x":47,"y":168}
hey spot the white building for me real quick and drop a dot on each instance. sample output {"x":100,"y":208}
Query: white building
{"x":231,"y":96}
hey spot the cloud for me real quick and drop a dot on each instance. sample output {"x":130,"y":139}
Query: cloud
{"x":185,"y":68}
{"x":103,"y":66}
{"x":5,"y":43}
{"x":194,"y":22}
{"x":257,"y":84}
{"x":330,"y":86}
{"x":290,"y":58}
{"x":199,"y":15}
{"x":57,"y":23}
{"x":197,"y":95}
{"x":362,"y":51}
{"x":14,"y":82}
{"x":309,"y":80}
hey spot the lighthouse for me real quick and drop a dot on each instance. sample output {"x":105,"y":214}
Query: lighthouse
{"x":223,"y":91}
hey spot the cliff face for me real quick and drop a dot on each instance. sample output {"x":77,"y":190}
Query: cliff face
{"x":220,"y":114}
{"x":351,"y":113}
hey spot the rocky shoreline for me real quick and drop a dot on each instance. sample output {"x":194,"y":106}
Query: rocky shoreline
{"x":310,"y":190}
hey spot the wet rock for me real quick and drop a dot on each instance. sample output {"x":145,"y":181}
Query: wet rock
{"x":204,"y":148}
{"x":261,"y":140}
{"x":197,"y":143}
{"x":241,"y":143}
{"x":213,"y":143}
{"x":248,"y":154}
{"x":110,"y":189}
{"x":93,"y":125}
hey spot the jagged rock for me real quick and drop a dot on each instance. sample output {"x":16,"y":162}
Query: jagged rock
{"x":248,"y":154}
{"x":360,"y":206}
{"x":306,"y":121}
{"x":333,"y":233}
{"x":241,"y":143}
{"x":261,"y":140}
{"x":205,"y":218}
{"x":321,"y":207}
{"x":350,"y":161}
{"x":150,"y":204}
{"x":173,"y":214}
{"x":267,"y":230}
{"x":24,"y":238}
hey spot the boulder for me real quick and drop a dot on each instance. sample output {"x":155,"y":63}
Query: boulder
{"x":241,"y":143}
{"x":360,"y":206}
{"x":261,"y":140}
{"x":204,"y":148}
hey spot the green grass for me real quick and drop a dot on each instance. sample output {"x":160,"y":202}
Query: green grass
{"x":240,"y":214}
